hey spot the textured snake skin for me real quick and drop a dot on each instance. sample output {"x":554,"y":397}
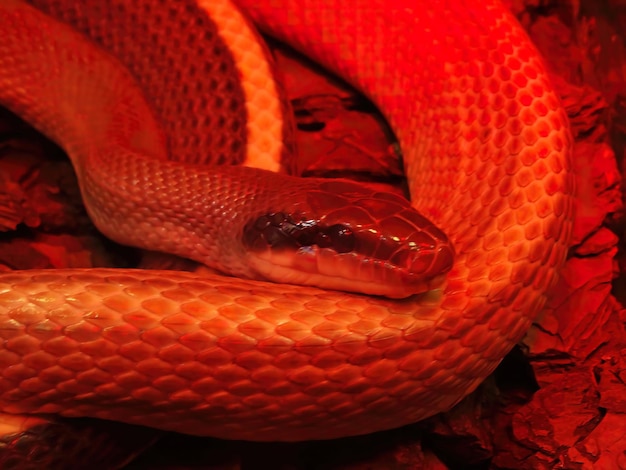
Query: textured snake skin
{"x":486,"y":148}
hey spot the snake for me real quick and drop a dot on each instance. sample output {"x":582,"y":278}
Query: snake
{"x":164,"y":107}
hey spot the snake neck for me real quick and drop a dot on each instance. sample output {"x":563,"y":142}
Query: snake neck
{"x":84,"y":100}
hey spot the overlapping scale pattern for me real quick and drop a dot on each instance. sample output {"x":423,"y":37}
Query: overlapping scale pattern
{"x":486,"y":147}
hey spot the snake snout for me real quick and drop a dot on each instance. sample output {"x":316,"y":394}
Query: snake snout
{"x":412,"y":253}
{"x":346,"y":236}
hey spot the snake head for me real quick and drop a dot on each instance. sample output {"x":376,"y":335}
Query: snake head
{"x":344,"y":236}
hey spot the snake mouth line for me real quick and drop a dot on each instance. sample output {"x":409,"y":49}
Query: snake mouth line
{"x":303,"y":251}
{"x":320,"y":267}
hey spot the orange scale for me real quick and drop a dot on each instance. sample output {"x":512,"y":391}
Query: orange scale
{"x":499,"y":272}
{"x":552,"y":102}
{"x":235,"y":313}
{"x":479,"y":288}
{"x":499,"y":102}
{"x":102,"y":289}
{"x":498,"y":56}
{"x":511,"y":167}
{"x":493,"y":86}
{"x":529,"y":136}
{"x":543,"y":128}
{"x":518,"y":251}
{"x":515,"y":127}
{"x":525,"y":53}
{"x":34,"y":360}
{"x":159,"y":337}
{"x":520,"y":80}
{"x":257,"y":329}
{"x":488,"y":70}
{"x":530,"y":71}
{"x":159,"y":306}
{"x":344,"y":374}
{"x":540,"y":170}
{"x":448,"y":352}
{"x":560,"y":205}
{"x":524,"y":177}
{"x":528,"y":117}
{"x":252,"y":360}
{"x":275,"y":345}
{"x":557,"y":142}
{"x":491,"y":43}
{"x":507,"y":47}
{"x":482,"y":52}
{"x":507,"y":185}
{"x":510,"y":230}
{"x":498,"y":207}
{"x":474,"y":259}
{"x":504,"y":73}
{"x":82,"y":331}
{"x":230,"y":374}
{"x":50,"y":375}
{"x":170,"y":384}
{"x":529,"y":157}
{"x":328,"y":359}
{"x":381,"y":371}
{"x":483,"y":99}
{"x":540,"y":108}
{"x":472,"y":364}
{"x":533,"y":230}
{"x":554,"y":256}
{"x":517,"y":198}
{"x":525,"y":98}
{"x":512,"y":108}
{"x":556,"y":231}
{"x":535,"y":190}
{"x":267,"y":374}
{"x":180,"y":323}
{"x":313,"y":344}
{"x":541,"y":279}
{"x":485,"y":117}
{"x":419,"y":365}
{"x":176,"y":354}
{"x":469,"y":99}
{"x":556,"y":165}
{"x":501,"y":136}
{"x":491,"y":241}
{"x":513,"y":63}
{"x":543,"y":207}
{"x":207,"y":387}
{"x":537,"y":89}
{"x":506,"y":221}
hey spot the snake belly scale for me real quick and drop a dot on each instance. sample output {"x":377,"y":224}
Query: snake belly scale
{"x":486,"y":149}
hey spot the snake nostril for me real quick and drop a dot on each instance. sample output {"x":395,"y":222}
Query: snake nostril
{"x":424,"y":256}
{"x":422,"y":264}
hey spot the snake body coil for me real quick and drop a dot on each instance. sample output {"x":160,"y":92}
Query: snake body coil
{"x":486,"y":148}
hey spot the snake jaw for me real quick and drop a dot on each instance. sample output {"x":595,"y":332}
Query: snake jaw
{"x":307,"y":267}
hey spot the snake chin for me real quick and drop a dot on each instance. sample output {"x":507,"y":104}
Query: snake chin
{"x":327,"y":269}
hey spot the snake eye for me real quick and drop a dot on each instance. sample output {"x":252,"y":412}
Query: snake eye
{"x":342,"y":238}
{"x":280,"y":231}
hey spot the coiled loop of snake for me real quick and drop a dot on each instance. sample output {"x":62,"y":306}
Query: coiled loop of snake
{"x":486,"y":148}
